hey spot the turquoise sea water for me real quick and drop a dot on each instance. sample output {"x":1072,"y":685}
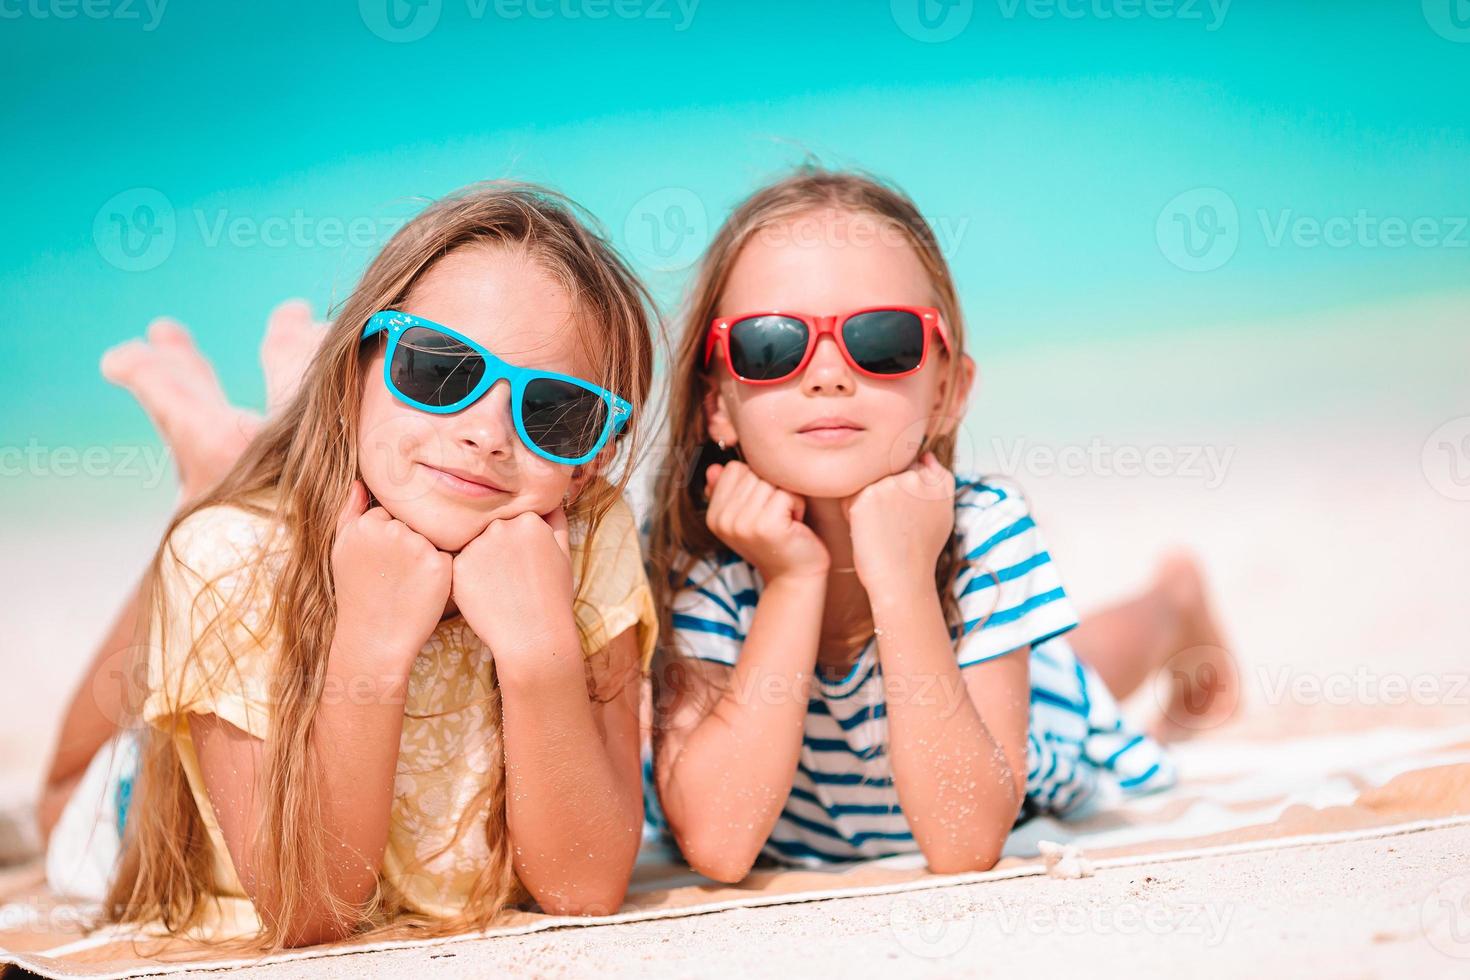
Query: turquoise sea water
{"x":1095,"y":168}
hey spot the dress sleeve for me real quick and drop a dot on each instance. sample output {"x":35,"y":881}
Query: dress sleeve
{"x":1010,"y":593}
{"x":711,"y":610}
{"x":616,"y":595}
{"x":212,"y":649}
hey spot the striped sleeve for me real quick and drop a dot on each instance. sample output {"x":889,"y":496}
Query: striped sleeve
{"x":713,"y":608}
{"x":1010,"y":594}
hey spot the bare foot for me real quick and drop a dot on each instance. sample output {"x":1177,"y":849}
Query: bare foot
{"x":178,"y":389}
{"x":1203,"y":679}
{"x":291,"y":340}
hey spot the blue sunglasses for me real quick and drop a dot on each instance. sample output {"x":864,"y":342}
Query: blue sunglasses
{"x":558,"y":417}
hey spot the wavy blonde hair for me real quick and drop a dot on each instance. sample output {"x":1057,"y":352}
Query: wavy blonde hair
{"x":679,"y":536}
{"x":298,"y":473}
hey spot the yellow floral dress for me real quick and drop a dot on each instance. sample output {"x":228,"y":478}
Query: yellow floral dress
{"x":444,"y":758}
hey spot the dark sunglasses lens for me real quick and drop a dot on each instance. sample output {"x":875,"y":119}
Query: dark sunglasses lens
{"x":885,"y":341}
{"x":562,"y":419}
{"x":434,"y":369}
{"x":763,"y":348}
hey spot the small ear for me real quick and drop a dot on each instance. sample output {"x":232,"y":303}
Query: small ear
{"x":717,"y":417}
{"x":950,"y":400}
{"x":585,"y":473}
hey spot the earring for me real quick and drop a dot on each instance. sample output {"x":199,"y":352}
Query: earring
{"x":721,"y":444}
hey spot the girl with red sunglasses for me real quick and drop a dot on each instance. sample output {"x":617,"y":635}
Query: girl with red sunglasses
{"x":871,"y":655}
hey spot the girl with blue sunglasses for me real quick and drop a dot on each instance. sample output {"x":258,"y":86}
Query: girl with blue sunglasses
{"x":389,"y":661}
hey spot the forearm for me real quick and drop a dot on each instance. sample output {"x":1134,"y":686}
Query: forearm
{"x":730,"y":777}
{"x":957,"y":788}
{"x":355,"y":743}
{"x":358,"y":729}
{"x":574,"y":812}
{"x":351,"y":759}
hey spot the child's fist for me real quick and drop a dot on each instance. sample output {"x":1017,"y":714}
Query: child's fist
{"x":762,"y":523}
{"x":900,"y":524}
{"x":513,"y":584}
{"x":392,"y":585}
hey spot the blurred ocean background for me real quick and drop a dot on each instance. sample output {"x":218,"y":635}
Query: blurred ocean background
{"x":1236,"y":228}
{"x":207,"y":160}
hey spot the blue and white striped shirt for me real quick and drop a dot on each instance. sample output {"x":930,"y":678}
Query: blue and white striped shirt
{"x":843,"y":804}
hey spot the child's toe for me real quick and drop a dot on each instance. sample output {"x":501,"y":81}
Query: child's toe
{"x":120,"y":363}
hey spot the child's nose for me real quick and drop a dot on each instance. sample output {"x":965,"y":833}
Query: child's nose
{"x":486,"y":427}
{"x":828,"y":372}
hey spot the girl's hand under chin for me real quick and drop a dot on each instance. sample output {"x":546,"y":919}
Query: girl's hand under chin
{"x":391,"y":584}
{"x":900,"y":524}
{"x":762,"y":524}
{"x":513,"y":585}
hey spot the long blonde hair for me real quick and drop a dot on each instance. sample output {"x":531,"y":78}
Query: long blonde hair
{"x":298,"y":472}
{"x":679,"y":536}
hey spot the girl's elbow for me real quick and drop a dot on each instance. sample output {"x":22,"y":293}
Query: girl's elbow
{"x":589,"y":901}
{"x":594,"y":886}
{"x":312,"y":923}
{"x":957,"y":857}
{"x":315,"y":932}
{"x":953,"y":864}
{"x":309,"y":927}
{"x":720,"y":860}
{"x":725,"y":871}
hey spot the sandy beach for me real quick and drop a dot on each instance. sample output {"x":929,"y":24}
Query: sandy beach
{"x":1347,"y":910}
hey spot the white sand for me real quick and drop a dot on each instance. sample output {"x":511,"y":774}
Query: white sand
{"x":1341,"y":910}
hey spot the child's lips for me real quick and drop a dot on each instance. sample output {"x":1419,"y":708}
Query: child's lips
{"x":464,"y":482}
{"x":830,"y":430}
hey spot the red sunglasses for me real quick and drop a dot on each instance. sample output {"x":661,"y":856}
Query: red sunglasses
{"x":878,"y":341}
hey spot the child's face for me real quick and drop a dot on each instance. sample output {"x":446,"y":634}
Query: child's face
{"x":449,"y":476}
{"x":823,"y":263}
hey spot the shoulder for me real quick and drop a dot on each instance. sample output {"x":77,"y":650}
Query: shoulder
{"x":613,"y":594}
{"x":1009,"y":590}
{"x":222,"y":539}
{"x":713,"y":604}
{"x":612,"y":545}
{"x":213,"y":638}
{"x":987,"y":511}
{"x":721,"y":572}
{"x":981,"y":491}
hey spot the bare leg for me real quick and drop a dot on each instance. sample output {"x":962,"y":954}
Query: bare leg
{"x":292,"y":337}
{"x":1169,"y":628}
{"x":178,"y":389}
